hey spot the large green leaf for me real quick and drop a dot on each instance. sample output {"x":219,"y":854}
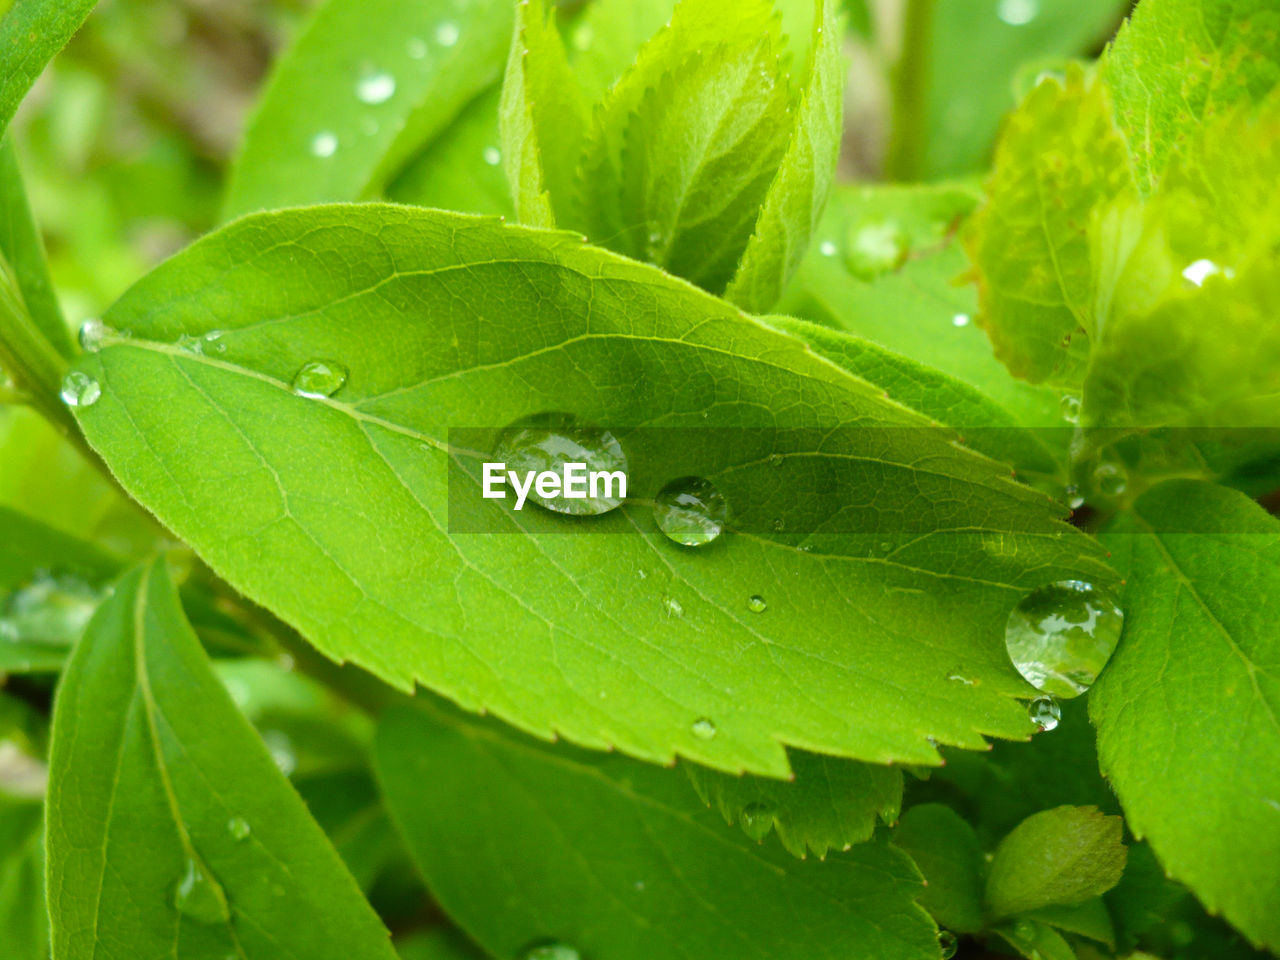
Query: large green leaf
{"x":1186,"y":710}
{"x":31,"y":33}
{"x":21,"y":245}
{"x":365,"y":86}
{"x":171,"y":832}
{"x":831,"y":803}
{"x":24,"y":922}
{"x":340,"y":527}
{"x":523,"y":843}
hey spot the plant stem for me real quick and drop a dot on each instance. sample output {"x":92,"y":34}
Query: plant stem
{"x":910,"y":81}
{"x":28,"y":356}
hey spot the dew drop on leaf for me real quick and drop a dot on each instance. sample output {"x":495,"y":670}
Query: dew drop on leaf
{"x":80,"y":390}
{"x":319,"y":378}
{"x":198,"y":896}
{"x":239,"y":828}
{"x":1060,"y":636}
{"x":1074,"y":500}
{"x":704,"y":729}
{"x":280,"y":746}
{"x":1070,"y":408}
{"x":547,"y":441}
{"x":375,"y":88}
{"x":550,"y":950}
{"x":492,"y":156}
{"x":876,"y":247}
{"x":447,"y":34}
{"x":947,"y":944}
{"x":92,"y":333}
{"x":1044,"y":713}
{"x":1018,"y":13}
{"x":960,"y":320}
{"x":691,"y":511}
{"x":757,"y":820}
{"x":324,"y":144}
{"x":828,"y":249}
{"x":757,"y":604}
{"x":1110,"y":478}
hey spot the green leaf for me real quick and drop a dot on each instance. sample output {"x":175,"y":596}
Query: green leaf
{"x":1088,"y":919}
{"x":1061,"y":856}
{"x":543,"y":120}
{"x":154,"y":777}
{"x":1186,"y":709}
{"x":618,"y":859}
{"x":340,"y":503}
{"x":1036,"y":941}
{"x":793,"y":206}
{"x":607,"y":38}
{"x":21,"y":245}
{"x":830,"y":804}
{"x":23,"y":917}
{"x":365,"y":86}
{"x":31,"y":33}
{"x":439,"y":943}
{"x":946,"y":850}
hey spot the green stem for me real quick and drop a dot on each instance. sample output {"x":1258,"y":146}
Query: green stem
{"x":36,"y":367}
{"x":910,"y":84}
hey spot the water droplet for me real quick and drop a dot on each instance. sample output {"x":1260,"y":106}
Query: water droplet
{"x":1110,"y":478}
{"x":492,"y":156}
{"x":776,"y":459}
{"x":1018,"y":13}
{"x":416,"y":47}
{"x":212,"y":343}
{"x":92,"y":333}
{"x":690,"y":511}
{"x":960,"y":320}
{"x":704,"y":729}
{"x":239,"y":828}
{"x":757,"y":820}
{"x":1061,"y":635}
{"x":1197,"y":272}
{"x":198,"y":896}
{"x":1074,"y":500}
{"x":828,"y":249}
{"x":447,"y":34}
{"x":876,"y":247}
{"x":1025,"y":930}
{"x":377,"y":87}
{"x":319,"y":379}
{"x":757,"y":604}
{"x":1044,"y":713}
{"x":550,"y":950}
{"x":324,"y":144}
{"x":674,"y":607}
{"x":547,"y":441}
{"x":1070,"y":407}
{"x":80,"y":390}
{"x":960,"y":678}
{"x":280,"y":746}
{"x":947,"y":944}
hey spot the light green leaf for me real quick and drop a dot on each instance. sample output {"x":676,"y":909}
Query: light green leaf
{"x":154,"y":779}
{"x":365,"y":86}
{"x":618,"y":859}
{"x":793,"y":206}
{"x":341,"y":503}
{"x":946,"y":850}
{"x":31,"y":33}
{"x":21,"y":245}
{"x":24,"y":921}
{"x":543,"y":120}
{"x":1061,"y":856}
{"x":830,"y":804}
{"x":1186,"y":710}
{"x":607,"y":38}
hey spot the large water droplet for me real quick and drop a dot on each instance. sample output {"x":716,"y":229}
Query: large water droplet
{"x":198,"y":896}
{"x":324,"y":144}
{"x":704,"y":729}
{"x":1044,"y":712}
{"x":1061,"y":636}
{"x":375,"y":88}
{"x":757,"y":603}
{"x":691,"y":511}
{"x":947,"y":944}
{"x":1017,"y":13}
{"x":876,"y":247}
{"x":447,"y":34}
{"x":548,"y":441}
{"x":239,"y":828}
{"x":757,"y":820}
{"x":319,"y":378}
{"x":550,"y":950}
{"x":80,"y":390}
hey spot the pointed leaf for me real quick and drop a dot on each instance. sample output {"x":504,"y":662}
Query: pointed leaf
{"x":946,"y":850}
{"x":21,"y":245}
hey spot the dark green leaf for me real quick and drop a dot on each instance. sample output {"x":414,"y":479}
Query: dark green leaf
{"x":946,"y":850}
{"x":1088,"y":919}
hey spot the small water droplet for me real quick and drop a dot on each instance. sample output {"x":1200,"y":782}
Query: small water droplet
{"x":876,"y":247}
{"x":547,"y":441}
{"x":92,"y":333}
{"x":239,"y":828}
{"x":447,"y":34}
{"x":757,"y":820}
{"x":690,"y":511}
{"x":319,"y":379}
{"x":280,"y":746}
{"x":324,"y":144}
{"x":828,"y":249}
{"x":960,"y":320}
{"x":492,"y":156}
{"x":1025,"y":930}
{"x":757,"y":604}
{"x":947,"y":944}
{"x":1044,"y":713}
{"x":212,"y":343}
{"x":377,"y":87}
{"x":1197,"y":272}
{"x":1074,"y":500}
{"x":674,"y":607}
{"x":1070,"y":408}
{"x":960,"y":678}
{"x":1060,"y":636}
{"x":80,"y":390}
{"x":550,"y":950}
{"x":198,"y":897}
{"x":1018,"y":13}
{"x":704,"y":729}
{"x":1110,"y":478}
{"x":416,"y":47}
